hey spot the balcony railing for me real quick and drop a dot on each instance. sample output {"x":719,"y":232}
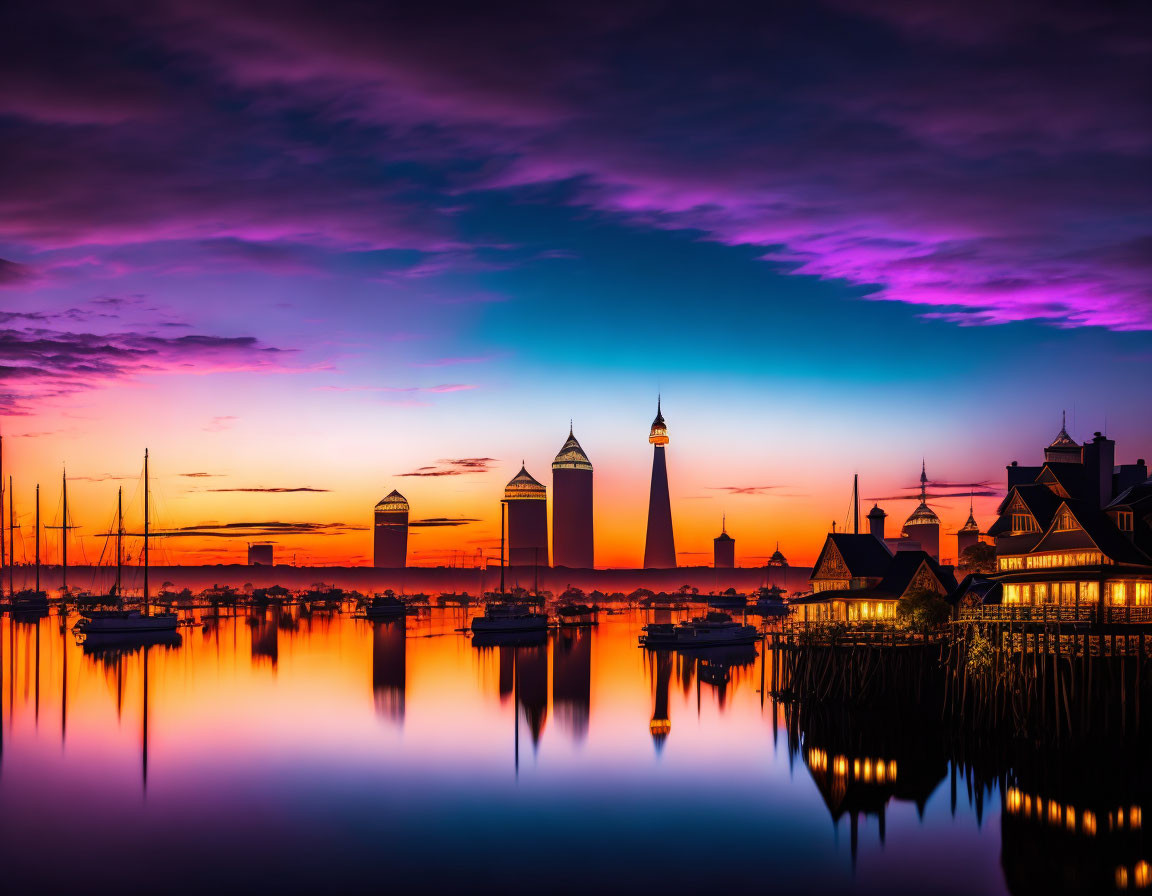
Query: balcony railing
{"x":1056,"y":613}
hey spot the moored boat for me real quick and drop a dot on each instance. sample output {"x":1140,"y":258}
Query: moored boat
{"x":658,"y":635}
{"x":509,"y":616}
{"x":712,"y":630}
{"x":576,"y":614}
{"x":383,"y":606}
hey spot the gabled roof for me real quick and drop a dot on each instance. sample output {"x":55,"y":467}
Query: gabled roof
{"x":1096,"y":529}
{"x":864,"y":555}
{"x":1070,"y":477}
{"x":980,"y":586}
{"x":1137,"y":497}
{"x":902,"y":570}
{"x":1039,"y":500}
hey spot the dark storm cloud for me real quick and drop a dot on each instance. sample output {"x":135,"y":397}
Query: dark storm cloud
{"x":986,"y":162}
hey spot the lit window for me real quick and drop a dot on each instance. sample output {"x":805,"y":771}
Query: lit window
{"x":1125,"y":520}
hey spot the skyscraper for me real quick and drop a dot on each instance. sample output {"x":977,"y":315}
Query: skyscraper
{"x":527,"y":520}
{"x":659,"y":543}
{"x":724,"y":549}
{"x":572,"y":530}
{"x":390,"y":532}
{"x":923,"y":525}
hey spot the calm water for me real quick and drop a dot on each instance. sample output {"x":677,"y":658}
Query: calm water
{"x":305,"y":753}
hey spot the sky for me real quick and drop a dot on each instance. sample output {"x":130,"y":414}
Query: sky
{"x":309,"y":253}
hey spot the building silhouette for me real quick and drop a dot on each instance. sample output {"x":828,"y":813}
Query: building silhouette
{"x":527,"y":520}
{"x":969,"y":533}
{"x":724,"y":549}
{"x":923,"y":526}
{"x":659,"y":543}
{"x":777,"y":559}
{"x":390,"y":532}
{"x":260,"y":554}
{"x":876,"y":518}
{"x":572,"y":529}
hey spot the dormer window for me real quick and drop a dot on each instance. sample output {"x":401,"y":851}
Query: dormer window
{"x":1023,"y":523}
{"x":1065,"y":522}
{"x":1125,"y":520}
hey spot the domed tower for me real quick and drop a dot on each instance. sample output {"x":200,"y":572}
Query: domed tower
{"x":572,"y":530}
{"x":724,"y":549}
{"x":777,"y":558}
{"x":923,"y":525}
{"x":659,"y":543}
{"x":876,"y":518}
{"x":1063,"y":449}
{"x":527,"y":520}
{"x":969,"y":533}
{"x":390,"y":532}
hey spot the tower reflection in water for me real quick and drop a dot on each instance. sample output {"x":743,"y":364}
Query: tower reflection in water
{"x":572,"y":679}
{"x":389,"y":666}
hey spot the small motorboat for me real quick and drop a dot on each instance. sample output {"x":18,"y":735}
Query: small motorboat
{"x":509,"y":616}
{"x":712,"y":630}
{"x":384,"y":607}
{"x":576,"y":614}
{"x":658,"y":635}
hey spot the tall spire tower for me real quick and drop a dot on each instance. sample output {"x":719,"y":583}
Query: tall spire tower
{"x":659,"y":544}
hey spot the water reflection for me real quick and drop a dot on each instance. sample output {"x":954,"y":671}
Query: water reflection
{"x":389,"y":666}
{"x":572,"y":679}
{"x":247,"y":728}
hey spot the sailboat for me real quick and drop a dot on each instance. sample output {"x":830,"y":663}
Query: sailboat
{"x":505,"y":617}
{"x":128,"y":621}
{"x":32,"y":600}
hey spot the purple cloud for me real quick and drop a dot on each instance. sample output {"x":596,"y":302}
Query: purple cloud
{"x":984,"y":165}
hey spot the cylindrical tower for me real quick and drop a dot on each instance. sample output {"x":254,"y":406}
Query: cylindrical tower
{"x":876,"y":518}
{"x":527,"y":521}
{"x":724,"y":549}
{"x":390,"y":532}
{"x":923,"y":525}
{"x":659,"y":542}
{"x":572,"y":529}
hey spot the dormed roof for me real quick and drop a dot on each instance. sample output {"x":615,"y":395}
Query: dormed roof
{"x":571,"y":456}
{"x":923,"y":516}
{"x":522,"y":487}
{"x":971,"y":525}
{"x":393,"y":502}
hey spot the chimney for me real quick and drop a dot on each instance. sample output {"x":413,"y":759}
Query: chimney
{"x":1099,"y":461}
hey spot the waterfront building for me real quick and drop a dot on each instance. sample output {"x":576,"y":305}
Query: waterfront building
{"x":527,"y":520}
{"x":659,"y":542}
{"x":572,"y":526}
{"x":1076,"y":531}
{"x":857,"y":578}
{"x":724,"y":549}
{"x":260,"y":554}
{"x":923,"y":526}
{"x":390,"y":532}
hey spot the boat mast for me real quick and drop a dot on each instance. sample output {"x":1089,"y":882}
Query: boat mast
{"x":146,"y":532}
{"x":2,"y":556}
{"x":37,"y":537}
{"x":119,"y":540}
{"x":64,"y":538}
{"x":11,"y":543}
